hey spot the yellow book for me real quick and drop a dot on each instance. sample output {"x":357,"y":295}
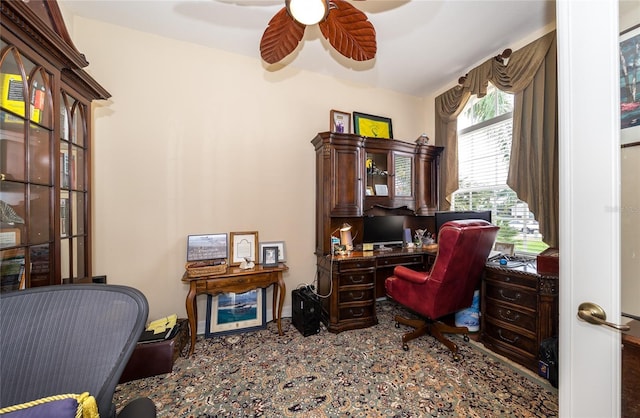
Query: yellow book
{"x":12,"y":98}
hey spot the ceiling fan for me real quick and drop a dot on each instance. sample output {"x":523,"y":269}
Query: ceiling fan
{"x":346,"y":28}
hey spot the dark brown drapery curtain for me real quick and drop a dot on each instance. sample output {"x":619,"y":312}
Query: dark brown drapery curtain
{"x":531,"y":75}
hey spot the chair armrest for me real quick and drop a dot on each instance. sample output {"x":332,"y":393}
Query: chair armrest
{"x":404,"y":273}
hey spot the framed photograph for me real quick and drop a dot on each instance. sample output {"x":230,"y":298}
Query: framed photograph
{"x":244,"y":246}
{"x":206,"y":247}
{"x":230,"y":313}
{"x":340,"y":122}
{"x":372,"y":126}
{"x":629,"y":84}
{"x":504,"y":248}
{"x":281,"y":252}
{"x":382,"y":190}
{"x":369,"y":191}
{"x":269,"y":256}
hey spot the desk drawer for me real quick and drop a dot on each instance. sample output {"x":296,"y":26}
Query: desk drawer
{"x":511,"y":337}
{"x":402,"y":260}
{"x":344,"y":266}
{"x":356,"y":278}
{"x":512,"y":294}
{"x":507,"y":277}
{"x":356,"y":295}
{"x":357,"y":312}
{"x":520,"y":318}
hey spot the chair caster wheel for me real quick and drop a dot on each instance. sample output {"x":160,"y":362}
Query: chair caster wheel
{"x":465,"y":338}
{"x":405,"y":347}
{"x":456,"y":357}
{"x":397,"y":324}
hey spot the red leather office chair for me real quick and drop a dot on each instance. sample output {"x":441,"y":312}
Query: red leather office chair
{"x":463,"y":248}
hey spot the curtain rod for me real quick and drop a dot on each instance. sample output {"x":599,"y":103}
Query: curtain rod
{"x":500,"y":58}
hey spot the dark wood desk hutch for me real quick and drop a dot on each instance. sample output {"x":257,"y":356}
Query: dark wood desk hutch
{"x":356,"y":177}
{"x":45,"y":144}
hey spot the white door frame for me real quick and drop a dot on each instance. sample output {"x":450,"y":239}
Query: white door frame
{"x":589,"y":146}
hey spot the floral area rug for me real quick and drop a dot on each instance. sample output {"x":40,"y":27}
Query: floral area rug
{"x":358,"y":373}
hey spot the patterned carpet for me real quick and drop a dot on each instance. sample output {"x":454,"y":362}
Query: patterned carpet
{"x":359,"y":373}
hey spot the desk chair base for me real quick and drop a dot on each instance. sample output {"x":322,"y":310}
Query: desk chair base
{"x":433,"y":328}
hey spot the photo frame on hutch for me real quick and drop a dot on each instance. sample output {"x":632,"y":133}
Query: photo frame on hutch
{"x":629,"y":106}
{"x":281,"y":250}
{"x":269,"y":256}
{"x":243,"y":245}
{"x":340,"y":122}
{"x":207,"y":247}
{"x":372,"y":126}
{"x":230,"y":313}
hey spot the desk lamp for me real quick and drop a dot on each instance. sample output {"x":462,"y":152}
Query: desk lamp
{"x":345,"y":237}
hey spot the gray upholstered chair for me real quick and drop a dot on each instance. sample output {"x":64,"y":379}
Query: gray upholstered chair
{"x":70,"y":339}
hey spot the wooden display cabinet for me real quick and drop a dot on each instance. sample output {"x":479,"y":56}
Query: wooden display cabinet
{"x":45,"y":142}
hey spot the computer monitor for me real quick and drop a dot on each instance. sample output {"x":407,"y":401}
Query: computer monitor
{"x":443,"y":217}
{"x":383,"y":230}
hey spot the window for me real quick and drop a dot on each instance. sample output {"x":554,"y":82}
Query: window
{"x":484,"y":148}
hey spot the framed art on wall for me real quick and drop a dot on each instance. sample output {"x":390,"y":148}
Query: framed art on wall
{"x":372,"y":126}
{"x":340,"y":122}
{"x":244,"y":246}
{"x":629,"y":83}
{"x":269,"y":256}
{"x":229,"y":313}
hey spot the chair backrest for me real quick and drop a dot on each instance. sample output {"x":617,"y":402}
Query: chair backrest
{"x":463,"y":248}
{"x":68,"y":339}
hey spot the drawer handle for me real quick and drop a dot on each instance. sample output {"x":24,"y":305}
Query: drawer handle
{"x":513,"y":299}
{"x":502,"y":337}
{"x":359,"y":313}
{"x":354,"y":297}
{"x":508,"y":315}
{"x":357,"y":279}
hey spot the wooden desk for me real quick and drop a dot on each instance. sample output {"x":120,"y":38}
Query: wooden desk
{"x":354,"y":282}
{"x":235,"y":280}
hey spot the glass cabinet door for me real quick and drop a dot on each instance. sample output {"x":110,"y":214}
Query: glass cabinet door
{"x":26,"y":182}
{"x":403,"y":175}
{"x":73,"y":188}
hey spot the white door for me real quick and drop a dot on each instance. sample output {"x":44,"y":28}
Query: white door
{"x":589,"y":129}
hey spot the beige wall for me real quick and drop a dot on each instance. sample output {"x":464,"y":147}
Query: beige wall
{"x":630,"y":191}
{"x":196,"y":140}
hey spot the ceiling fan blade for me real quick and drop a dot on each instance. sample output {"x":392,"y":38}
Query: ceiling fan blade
{"x":282,"y":36}
{"x":349,"y":31}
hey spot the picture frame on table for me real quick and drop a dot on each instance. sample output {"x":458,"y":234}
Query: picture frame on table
{"x":269,"y":256}
{"x":244,"y":246}
{"x":207,"y":247}
{"x":372,"y":126}
{"x":340,"y":122}
{"x":231,"y":313}
{"x":505,"y":248}
{"x":629,"y":105}
{"x":381,"y":190}
{"x":281,"y":250}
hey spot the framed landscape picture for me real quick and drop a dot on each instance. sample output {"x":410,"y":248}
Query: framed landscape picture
{"x":230,"y":313}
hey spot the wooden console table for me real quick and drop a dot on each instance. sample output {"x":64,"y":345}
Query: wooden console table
{"x":235,"y":280}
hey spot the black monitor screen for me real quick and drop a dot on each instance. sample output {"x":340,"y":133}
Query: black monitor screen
{"x":443,"y":217}
{"x":383,"y":230}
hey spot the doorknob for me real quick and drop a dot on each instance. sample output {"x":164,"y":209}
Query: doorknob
{"x":594,"y":314}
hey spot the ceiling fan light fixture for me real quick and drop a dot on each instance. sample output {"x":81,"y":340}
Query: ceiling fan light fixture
{"x":308,"y":12}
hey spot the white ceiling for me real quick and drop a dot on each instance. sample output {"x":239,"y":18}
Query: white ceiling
{"x":423,"y":45}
